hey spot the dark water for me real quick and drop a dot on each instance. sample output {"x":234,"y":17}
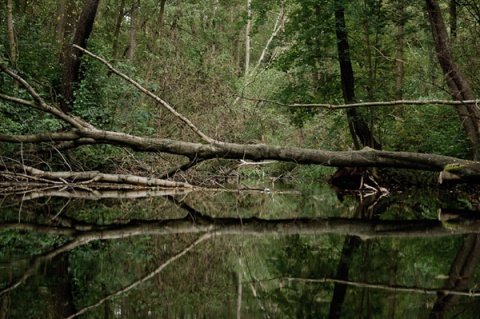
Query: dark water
{"x":296,"y":251}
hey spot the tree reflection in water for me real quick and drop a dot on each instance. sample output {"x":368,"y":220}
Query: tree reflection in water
{"x":214,"y":253}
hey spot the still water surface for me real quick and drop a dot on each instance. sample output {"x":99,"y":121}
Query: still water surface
{"x":294,"y":251}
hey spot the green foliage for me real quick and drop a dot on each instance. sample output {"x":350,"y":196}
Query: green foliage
{"x":20,"y":244}
{"x":443,"y":134}
{"x":196,"y":60}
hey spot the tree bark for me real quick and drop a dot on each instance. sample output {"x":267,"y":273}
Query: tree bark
{"x":399,"y":55}
{"x":457,"y":82}
{"x":71,"y":59}
{"x":118,"y":25}
{"x":11,"y":34}
{"x":247,"y":36}
{"x":60,"y":21}
{"x":132,"y":38}
{"x":366,"y":157}
{"x":453,"y":19}
{"x":357,"y":124}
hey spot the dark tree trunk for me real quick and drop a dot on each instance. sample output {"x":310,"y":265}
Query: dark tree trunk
{"x":161,"y":18}
{"x":61,"y":296}
{"x":118,"y":25}
{"x":350,"y":244}
{"x":453,"y":19}
{"x":132,"y":42}
{"x":71,"y":59}
{"x":460,"y":272}
{"x":358,"y":126}
{"x":457,"y":82}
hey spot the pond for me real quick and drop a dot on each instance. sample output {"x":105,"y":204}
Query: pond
{"x":302,"y":250}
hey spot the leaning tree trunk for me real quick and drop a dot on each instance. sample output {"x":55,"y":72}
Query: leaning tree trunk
{"x":71,"y":59}
{"x":457,"y":82}
{"x":358,"y":126}
{"x":461,"y":271}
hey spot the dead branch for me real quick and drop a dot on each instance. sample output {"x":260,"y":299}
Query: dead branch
{"x":84,"y":133}
{"x":331,"y":106}
{"x":40,"y":102}
{"x":93,"y":193}
{"x":79,"y":179}
{"x":150,"y":94}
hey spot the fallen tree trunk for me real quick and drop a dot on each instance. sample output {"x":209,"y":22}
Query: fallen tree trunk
{"x":455,"y":170}
{"x":82,"y":133}
{"x":85,"y":180}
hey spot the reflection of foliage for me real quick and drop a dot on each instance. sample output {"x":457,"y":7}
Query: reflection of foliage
{"x":205,"y":279}
{"x":24,"y":243}
{"x":302,"y":257}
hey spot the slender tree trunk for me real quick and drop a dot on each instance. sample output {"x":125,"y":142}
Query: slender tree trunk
{"x":276,"y":28}
{"x":457,"y":82}
{"x":453,"y":19}
{"x":60,"y":21}
{"x":392,"y":295}
{"x":370,"y":71}
{"x":239,"y":295}
{"x":11,"y":34}
{"x":247,"y":36}
{"x":399,"y":55}
{"x":11,"y":38}
{"x":71,"y":60}
{"x":132,"y":39}
{"x":161,"y":18}
{"x":214,"y":25}
{"x":118,"y":25}
{"x":358,"y":126}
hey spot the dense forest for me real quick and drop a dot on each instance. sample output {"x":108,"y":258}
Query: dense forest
{"x":229,"y":79}
{"x":122,"y":123}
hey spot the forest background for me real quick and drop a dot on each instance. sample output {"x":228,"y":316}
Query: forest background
{"x":232,"y":78}
{"x":248,"y":72}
